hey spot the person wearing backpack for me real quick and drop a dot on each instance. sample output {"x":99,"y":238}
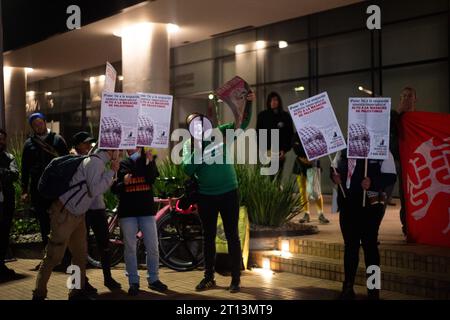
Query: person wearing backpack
{"x":96,"y":219}
{"x":134,"y":186}
{"x":39,"y":149}
{"x":76,"y":189}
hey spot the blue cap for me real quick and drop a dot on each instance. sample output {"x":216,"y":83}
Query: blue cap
{"x":34,"y":116}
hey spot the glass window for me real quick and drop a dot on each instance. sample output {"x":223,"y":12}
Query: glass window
{"x":404,"y":9}
{"x":291,"y":30}
{"x":193,"y":78}
{"x":192,"y":52}
{"x":287,"y":63}
{"x":344,"y":52}
{"x":429,"y":80}
{"x":415,"y":40}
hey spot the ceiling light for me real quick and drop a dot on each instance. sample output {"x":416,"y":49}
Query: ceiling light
{"x":172,"y":28}
{"x":31,"y":93}
{"x":282,"y":44}
{"x":260,"y":44}
{"x":49,"y":93}
{"x":239,"y":48}
{"x":28,"y":70}
{"x":299,"y":89}
{"x":120,"y":78}
{"x":210,"y":96}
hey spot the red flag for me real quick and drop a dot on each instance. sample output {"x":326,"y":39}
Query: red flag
{"x":425,"y":160}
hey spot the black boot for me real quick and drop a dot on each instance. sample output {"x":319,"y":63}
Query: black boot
{"x":347,"y":292}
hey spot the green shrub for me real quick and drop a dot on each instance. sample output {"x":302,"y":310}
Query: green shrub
{"x":24,"y":226}
{"x":268,"y":202}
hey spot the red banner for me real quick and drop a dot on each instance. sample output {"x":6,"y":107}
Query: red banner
{"x":425,"y":161}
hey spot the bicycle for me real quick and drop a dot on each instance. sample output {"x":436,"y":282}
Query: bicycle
{"x":180,"y":235}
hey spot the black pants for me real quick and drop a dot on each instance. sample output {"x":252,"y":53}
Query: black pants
{"x":6,"y":216}
{"x":40,"y":209}
{"x":209,"y":207}
{"x":97,"y":220}
{"x":359,"y":226}
{"x":402,"y":197}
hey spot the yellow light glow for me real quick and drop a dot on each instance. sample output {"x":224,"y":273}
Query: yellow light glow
{"x":91,"y":79}
{"x":282,"y":44}
{"x":135,"y":30}
{"x":360,"y":88}
{"x":172,"y":28}
{"x":299,"y":89}
{"x":260,"y":44}
{"x":239,"y":48}
{"x":102,"y":77}
{"x":210,"y":96}
{"x":285,"y":246}
{"x":29,"y":70}
{"x":49,"y":93}
{"x":31,"y":93}
{"x":267,"y":274}
{"x":266,"y":264}
{"x":120,"y":78}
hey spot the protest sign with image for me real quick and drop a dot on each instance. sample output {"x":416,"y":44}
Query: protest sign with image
{"x":234,"y":94}
{"x":317,"y":126}
{"x":110,"y":78}
{"x":368,"y":128}
{"x":155,"y":112}
{"x":118,"y":121}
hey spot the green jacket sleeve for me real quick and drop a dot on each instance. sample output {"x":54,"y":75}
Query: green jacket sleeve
{"x":188,"y":164}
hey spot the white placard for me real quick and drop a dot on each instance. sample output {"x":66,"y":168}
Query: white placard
{"x":317,"y":126}
{"x":155,"y":112}
{"x":110,"y":78}
{"x":118,"y":121}
{"x":368,"y":128}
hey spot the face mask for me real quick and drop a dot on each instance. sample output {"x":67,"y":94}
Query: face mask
{"x":135,"y":156}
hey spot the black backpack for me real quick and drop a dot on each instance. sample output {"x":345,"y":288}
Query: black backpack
{"x":56,"y":178}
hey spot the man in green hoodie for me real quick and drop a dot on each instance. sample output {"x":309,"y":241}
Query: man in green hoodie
{"x":218,"y":192}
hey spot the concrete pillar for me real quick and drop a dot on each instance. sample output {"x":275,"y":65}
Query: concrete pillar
{"x":146,"y":61}
{"x":15,"y":100}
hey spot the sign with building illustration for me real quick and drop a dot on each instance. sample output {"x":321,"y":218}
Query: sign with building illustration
{"x":119,"y":121}
{"x":317,"y":126}
{"x":155,"y":112}
{"x":368,"y":128}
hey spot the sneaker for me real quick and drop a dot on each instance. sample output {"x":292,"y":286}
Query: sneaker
{"x":133,"y":290}
{"x":323,"y":220}
{"x":305,"y":218}
{"x":88,"y":288}
{"x":234,"y":287}
{"x":112,"y":284}
{"x":157,"y":286}
{"x":347,"y":292}
{"x":206,"y":283}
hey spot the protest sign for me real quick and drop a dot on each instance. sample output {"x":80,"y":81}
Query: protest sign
{"x":317,"y":126}
{"x":118,"y":121}
{"x":368,"y":128}
{"x":155,"y":112}
{"x":234,"y":94}
{"x":110,"y":78}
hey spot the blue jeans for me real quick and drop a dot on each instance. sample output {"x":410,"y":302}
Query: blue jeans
{"x":130,"y":227}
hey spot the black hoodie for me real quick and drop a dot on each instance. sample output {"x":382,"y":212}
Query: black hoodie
{"x":276,"y":119}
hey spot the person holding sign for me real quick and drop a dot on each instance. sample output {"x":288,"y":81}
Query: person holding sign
{"x":136,"y":211}
{"x":308,"y":180}
{"x":359,"y":224}
{"x":218,"y":192}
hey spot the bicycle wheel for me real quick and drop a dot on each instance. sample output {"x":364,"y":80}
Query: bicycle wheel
{"x":180,"y":241}
{"x":115,"y":245}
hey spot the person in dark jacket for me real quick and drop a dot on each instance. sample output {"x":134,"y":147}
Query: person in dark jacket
{"x":360,"y":224}
{"x":274,"y":117}
{"x":39,"y":149}
{"x":308,"y":174}
{"x":136,"y":211}
{"x":9,"y":173}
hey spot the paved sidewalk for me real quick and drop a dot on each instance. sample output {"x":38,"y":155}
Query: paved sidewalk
{"x":255,"y":286}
